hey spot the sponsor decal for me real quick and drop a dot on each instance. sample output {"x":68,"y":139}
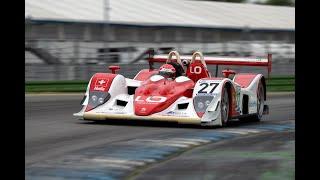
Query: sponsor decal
{"x":252,"y":104}
{"x":196,"y":70}
{"x":150,"y":99}
{"x":143,"y":110}
{"x":114,"y":109}
{"x":172,"y":113}
{"x":119,"y":112}
{"x":202,"y":94}
{"x":100,"y":84}
{"x":238,"y":90}
{"x":214,"y":94}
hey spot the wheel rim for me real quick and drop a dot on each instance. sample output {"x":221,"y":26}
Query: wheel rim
{"x":225,"y":107}
{"x":260,"y":101}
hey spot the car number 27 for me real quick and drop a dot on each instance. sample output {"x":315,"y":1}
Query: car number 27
{"x":208,"y":87}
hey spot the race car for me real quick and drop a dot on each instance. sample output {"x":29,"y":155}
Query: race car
{"x":182,"y":90}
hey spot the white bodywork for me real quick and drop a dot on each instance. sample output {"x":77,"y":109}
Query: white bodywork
{"x":212,"y":116}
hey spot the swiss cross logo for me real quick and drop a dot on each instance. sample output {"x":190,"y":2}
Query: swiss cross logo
{"x":100,"y":84}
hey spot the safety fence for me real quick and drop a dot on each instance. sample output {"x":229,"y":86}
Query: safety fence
{"x":278,"y":84}
{"x":43,"y":72}
{"x":76,"y":52}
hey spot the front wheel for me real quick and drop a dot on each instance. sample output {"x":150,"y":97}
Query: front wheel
{"x":224,"y":107}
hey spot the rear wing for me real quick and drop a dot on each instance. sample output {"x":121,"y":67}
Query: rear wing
{"x":210,"y":60}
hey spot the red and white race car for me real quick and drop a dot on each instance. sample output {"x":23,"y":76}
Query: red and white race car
{"x":181,"y":90}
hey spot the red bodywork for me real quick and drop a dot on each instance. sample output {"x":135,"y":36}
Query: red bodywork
{"x":244,"y":80}
{"x":196,"y":71}
{"x":153,"y":97}
{"x":145,"y":74}
{"x":101,"y":81}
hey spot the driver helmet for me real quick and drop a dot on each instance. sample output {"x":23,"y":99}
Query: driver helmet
{"x":167,"y":70}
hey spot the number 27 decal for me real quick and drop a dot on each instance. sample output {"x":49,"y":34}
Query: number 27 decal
{"x":205,"y":87}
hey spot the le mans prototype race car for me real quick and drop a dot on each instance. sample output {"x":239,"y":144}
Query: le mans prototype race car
{"x":182,"y":90}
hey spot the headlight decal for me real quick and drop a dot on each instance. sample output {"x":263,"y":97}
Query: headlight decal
{"x":97,"y":98}
{"x":201,"y":103}
{"x":94,"y":98}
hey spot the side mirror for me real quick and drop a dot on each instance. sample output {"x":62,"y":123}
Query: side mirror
{"x":227,"y":72}
{"x":114,"y":69}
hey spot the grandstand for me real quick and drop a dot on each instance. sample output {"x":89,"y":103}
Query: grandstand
{"x":104,"y":31}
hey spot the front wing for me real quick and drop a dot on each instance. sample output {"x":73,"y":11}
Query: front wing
{"x":103,"y":116}
{"x":109,"y":111}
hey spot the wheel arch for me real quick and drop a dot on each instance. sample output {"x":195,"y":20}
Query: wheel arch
{"x":229,"y":86}
{"x":263,"y":81}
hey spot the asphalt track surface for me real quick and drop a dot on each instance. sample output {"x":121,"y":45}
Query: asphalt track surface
{"x":58,"y":146}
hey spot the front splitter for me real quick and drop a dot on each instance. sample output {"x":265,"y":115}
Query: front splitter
{"x":101,"y":116}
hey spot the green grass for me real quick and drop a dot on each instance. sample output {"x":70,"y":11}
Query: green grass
{"x":274,"y":84}
{"x":281,"y":84}
{"x":56,"y":88}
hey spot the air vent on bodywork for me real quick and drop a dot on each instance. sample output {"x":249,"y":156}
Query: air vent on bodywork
{"x":245,"y":103}
{"x":121,"y":103}
{"x":183,"y":106}
{"x":131,"y":90}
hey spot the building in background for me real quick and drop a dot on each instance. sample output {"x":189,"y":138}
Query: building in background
{"x":82,"y":32}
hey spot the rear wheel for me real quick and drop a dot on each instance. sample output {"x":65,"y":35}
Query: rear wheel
{"x":224,"y":107}
{"x":260,"y":104}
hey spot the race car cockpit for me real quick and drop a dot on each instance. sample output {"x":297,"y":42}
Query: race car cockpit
{"x":172,"y":69}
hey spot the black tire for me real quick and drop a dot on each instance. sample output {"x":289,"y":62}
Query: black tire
{"x":224,"y":105}
{"x":260,"y":104}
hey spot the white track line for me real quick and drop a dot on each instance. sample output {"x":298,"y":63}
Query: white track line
{"x":234,"y":131}
{"x":245,"y":130}
{"x":173,"y":144}
{"x":118,"y":163}
{"x":192,"y":140}
{"x":168,"y":143}
{"x":149,"y":160}
{"x":183,"y":142}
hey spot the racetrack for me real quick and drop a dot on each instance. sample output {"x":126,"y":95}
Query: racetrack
{"x":60,"y":146}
